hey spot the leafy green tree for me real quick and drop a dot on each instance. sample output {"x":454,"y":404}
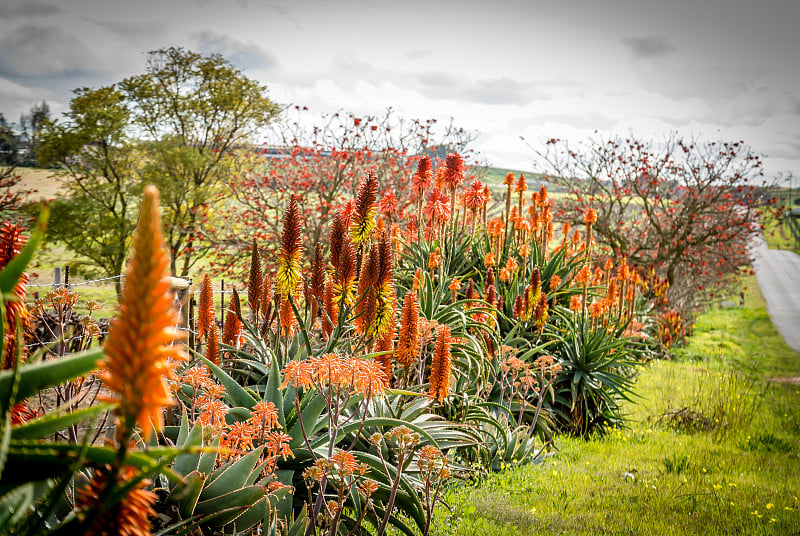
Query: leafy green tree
{"x":31,"y":125}
{"x":8,"y":143}
{"x":194,"y":111}
{"x":97,"y":216}
{"x":176,"y":126}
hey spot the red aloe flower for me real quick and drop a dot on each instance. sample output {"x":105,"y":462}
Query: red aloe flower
{"x":474,"y":197}
{"x":337,"y":236}
{"x":255,"y":281}
{"x":388,"y":204}
{"x":422,"y":179}
{"x":11,"y":243}
{"x":437,"y":211}
{"x":454,"y":171}
{"x":288,"y":275}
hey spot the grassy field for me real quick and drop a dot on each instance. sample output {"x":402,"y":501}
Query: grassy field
{"x":712,"y":448}
{"x":779,"y":236}
{"x":47,"y":183}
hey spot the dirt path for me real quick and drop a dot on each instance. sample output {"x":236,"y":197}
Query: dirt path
{"x":778,"y":274}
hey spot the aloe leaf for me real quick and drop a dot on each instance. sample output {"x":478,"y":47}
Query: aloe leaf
{"x":187,"y":462}
{"x":188,"y":494}
{"x":283,"y":503}
{"x":233,"y":476}
{"x":312,"y":422}
{"x":273,"y":391}
{"x":299,"y":525}
{"x":54,"y":422}
{"x":29,"y":461}
{"x":235,"y":502}
{"x":249,"y":517}
{"x":37,"y":376}
{"x":235,"y":393}
{"x":14,"y":505}
{"x":209,"y":458}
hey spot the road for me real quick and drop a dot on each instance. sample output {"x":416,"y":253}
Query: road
{"x":778,"y":274}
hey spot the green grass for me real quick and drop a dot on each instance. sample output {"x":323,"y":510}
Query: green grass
{"x":778,"y":235}
{"x":741,"y":476}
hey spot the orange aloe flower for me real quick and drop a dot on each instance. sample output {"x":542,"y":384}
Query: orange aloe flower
{"x":205,"y":308}
{"x":278,"y":445}
{"x":139,"y":351}
{"x":440,"y":366}
{"x":555,"y":282}
{"x":264,"y":416}
{"x":454,"y":287}
{"x":286,"y":316}
{"x":266,"y":296}
{"x":591,"y":217}
{"x":212,"y":413}
{"x":434,"y":259}
{"x":212,"y":344}
{"x":232,"y":326}
{"x":408,"y":339}
{"x":364,"y":216}
{"x":338,"y":374}
{"x":542,"y":196}
{"x":386,"y":344}
{"x":129,"y":517}
{"x":384,"y":320}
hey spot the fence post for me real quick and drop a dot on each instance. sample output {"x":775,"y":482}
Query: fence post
{"x":222,"y":301}
{"x":193,"y":342}
{"x":57,"y":277}
{"x":66,"y":276}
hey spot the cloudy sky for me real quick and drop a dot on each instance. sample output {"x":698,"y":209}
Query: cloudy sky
{"x":506,"y":68}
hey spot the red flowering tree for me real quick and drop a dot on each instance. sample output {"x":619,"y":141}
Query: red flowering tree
{"x":682,"y":210}
{"x":319,"y":164}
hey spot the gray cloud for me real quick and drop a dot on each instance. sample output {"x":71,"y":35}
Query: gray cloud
{"x":46,"y":51}
{"x":128,"y":28}
{"x":648,"y":47}
{"x":497,"y":91}
{"x":14,"y":9}
{"x":242,"y":55}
